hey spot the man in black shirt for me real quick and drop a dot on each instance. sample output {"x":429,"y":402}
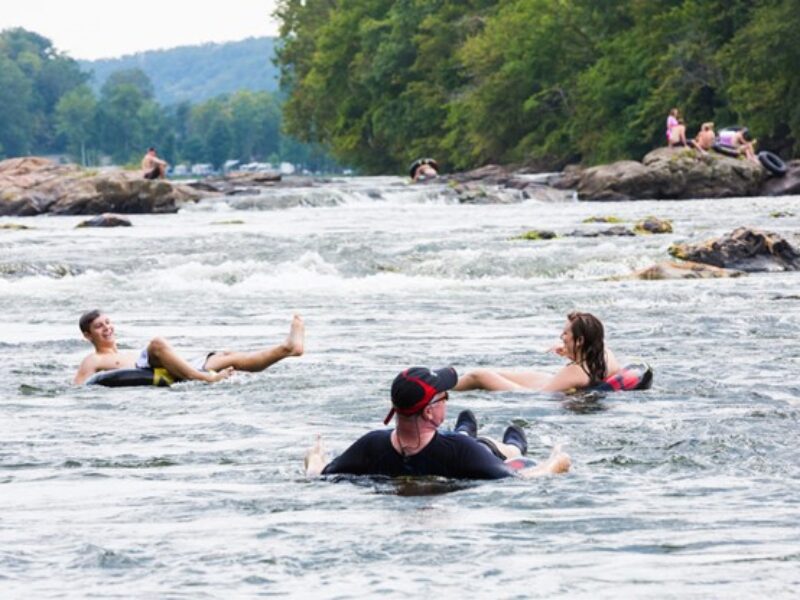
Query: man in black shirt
{"x":416,"y":447}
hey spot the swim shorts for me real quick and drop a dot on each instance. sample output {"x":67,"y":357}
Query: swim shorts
{"x":199,"y":363}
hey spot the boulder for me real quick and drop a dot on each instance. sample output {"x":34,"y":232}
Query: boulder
{"x":653,"y":225}
{"x":668,"y":173}
{"x":488,"y":174}
{"x":683,"y":270}
{"x":745,"y":249}
{"x":33,"y":185}
{"x":105,"y":220}
{"x":789,"y":184}
{"x":476,"y":193}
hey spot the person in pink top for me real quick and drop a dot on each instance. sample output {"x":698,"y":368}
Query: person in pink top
{"x":672,"y":121}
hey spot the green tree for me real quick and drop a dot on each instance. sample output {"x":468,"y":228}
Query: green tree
{"x":16,"y":131}
{"x":75,"y":120}
{"x":761,"y":64}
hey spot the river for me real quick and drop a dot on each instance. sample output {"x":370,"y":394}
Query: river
{"x":690,"y":489}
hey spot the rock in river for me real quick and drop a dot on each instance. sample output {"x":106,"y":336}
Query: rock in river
{"x":743,"y":249}
{"x":31,"y":185}
{"x":668,"y":173}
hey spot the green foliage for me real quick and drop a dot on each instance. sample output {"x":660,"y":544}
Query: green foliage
{"x":75,"y":120}
{"x":539,"y":81}
{"x":48,"y":108}
{"x":33,"y":77}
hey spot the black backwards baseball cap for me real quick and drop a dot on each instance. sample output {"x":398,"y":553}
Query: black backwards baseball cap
{"x":415,"y":387}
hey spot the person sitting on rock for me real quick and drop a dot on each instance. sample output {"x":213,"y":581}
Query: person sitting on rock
{"x":152,"y":166}
{"x":746,"y":145}
{"x":672,"y":121}
{"x":740,"y":141}
{"x":211,"y":367}
{"x":677,"y":135}
{"x":416,"y":447}
{"x":705,"y":138}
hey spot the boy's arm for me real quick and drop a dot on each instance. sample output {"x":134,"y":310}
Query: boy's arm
{"x":87,"y":369}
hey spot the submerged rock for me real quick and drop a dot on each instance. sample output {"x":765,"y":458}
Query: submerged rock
{"x":536,"y":234}
{"x":744,"y":249}
{"x":14,"y":226}
{"x":608,"y":219}
{"x":653,"y":225}
{"x":33,"y":185}
{"x":684,"y":270}
{"x":618,"y":230}
{"x":105,"y":220}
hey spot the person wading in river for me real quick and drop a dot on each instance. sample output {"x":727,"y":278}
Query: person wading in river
{"x":417,"y":447}
{"x":214,"y":366}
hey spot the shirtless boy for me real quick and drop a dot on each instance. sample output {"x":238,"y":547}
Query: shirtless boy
{"x":216,"y":366}
{"x":152,"y":166}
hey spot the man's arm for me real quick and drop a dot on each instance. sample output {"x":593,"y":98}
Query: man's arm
{"x":87,"y":368}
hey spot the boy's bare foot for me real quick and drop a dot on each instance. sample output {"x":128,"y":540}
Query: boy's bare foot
{"x":221,"y":374}
{"x":294,"y":343}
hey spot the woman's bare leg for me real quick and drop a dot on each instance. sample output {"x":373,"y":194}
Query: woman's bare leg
{"x":261,"y":359}
{"x":484,"y":379}
{"x":528,"y":379}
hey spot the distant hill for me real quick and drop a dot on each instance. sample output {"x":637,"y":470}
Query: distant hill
{"x":197,"y":73}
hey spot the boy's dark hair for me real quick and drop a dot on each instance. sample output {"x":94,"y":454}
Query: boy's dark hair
{"x":85,"y":322}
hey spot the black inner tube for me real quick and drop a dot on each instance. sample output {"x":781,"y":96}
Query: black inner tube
{"x":772,"y":162}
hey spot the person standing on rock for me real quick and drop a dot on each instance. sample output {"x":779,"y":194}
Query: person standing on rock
{"x":152,"y":166}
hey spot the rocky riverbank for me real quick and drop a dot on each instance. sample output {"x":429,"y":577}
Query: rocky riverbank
{"x":31,"y":186}
{"x":678,"y":174}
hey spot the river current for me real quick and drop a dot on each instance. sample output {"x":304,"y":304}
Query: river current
{"x":688,"y":490}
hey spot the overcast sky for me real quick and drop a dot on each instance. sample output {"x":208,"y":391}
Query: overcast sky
{"x":90,"y":29}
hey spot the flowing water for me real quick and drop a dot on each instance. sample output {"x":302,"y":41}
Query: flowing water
{"x":690,"y":489}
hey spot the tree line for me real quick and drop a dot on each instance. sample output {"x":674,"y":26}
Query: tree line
{"x":49,"y":108}
{"x":542,"y":82}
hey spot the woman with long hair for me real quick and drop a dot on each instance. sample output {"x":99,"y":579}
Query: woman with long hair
{"x":582,"y":343}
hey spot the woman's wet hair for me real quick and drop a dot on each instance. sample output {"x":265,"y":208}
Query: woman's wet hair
{"x":85,"y":322}
{"x":592,"y":353}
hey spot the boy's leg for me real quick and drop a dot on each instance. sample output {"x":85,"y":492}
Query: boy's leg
{"x":261,"y":359}
{"x":161,"y":354}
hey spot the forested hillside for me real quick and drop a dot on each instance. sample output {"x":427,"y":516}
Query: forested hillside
{"x":197,"y":73}
{"x":47,"y":107}
{"x":546,"y":82}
